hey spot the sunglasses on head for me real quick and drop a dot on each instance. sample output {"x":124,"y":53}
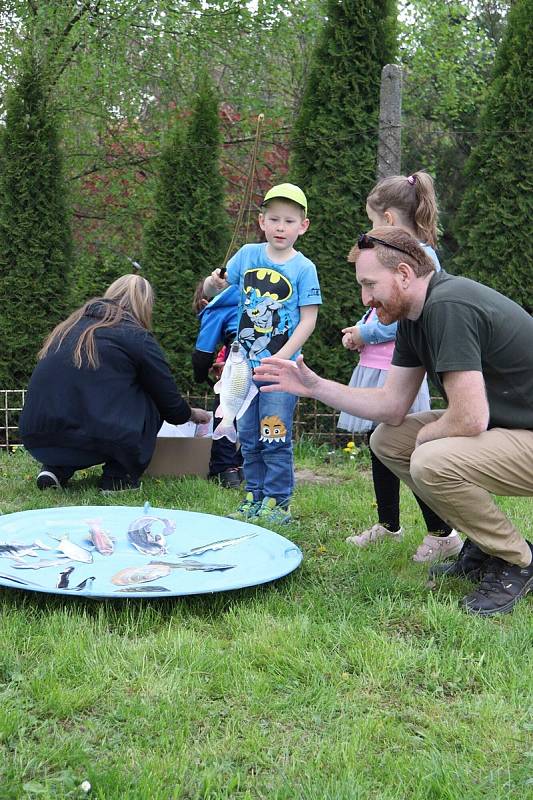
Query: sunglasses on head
{"x":366,"y":242}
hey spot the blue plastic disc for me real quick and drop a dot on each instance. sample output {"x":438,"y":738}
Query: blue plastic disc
{"x":125,"y":551}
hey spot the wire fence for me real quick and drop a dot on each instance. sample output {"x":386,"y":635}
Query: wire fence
{"x":313,"y":420}
{"x":11,"y":403}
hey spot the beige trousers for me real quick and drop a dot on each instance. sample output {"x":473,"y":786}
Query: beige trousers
{"x":456,"y":477}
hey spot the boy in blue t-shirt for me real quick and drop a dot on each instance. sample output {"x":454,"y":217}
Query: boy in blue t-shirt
{"x":279,"y":299}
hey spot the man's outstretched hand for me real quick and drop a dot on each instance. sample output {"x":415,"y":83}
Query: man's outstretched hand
{"x":287,"y":376}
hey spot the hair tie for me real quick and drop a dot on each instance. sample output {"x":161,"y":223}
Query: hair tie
{"x":411,"y":179}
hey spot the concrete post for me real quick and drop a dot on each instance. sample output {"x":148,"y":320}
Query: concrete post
{"x":390,"y":131}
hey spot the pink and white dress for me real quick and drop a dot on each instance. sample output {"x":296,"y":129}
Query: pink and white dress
{"x":371,"y":372}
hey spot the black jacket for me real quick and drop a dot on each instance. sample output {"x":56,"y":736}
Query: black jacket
{"x":114,"y":410}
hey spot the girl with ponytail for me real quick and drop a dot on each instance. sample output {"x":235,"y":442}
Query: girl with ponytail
{"x":407,"y":202}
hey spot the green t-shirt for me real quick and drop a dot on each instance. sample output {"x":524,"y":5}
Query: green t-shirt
{"x":466,"y":326}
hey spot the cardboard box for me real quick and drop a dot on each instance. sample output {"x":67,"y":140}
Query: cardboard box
{"x":179,"y":450}
{"x":184,"y":456}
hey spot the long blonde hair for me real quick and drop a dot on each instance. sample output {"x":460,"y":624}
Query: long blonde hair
{"x":129,"y":297}
{"x":414,"y":197}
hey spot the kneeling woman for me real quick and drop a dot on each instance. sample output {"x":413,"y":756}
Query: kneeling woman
{"x":101,"y":390}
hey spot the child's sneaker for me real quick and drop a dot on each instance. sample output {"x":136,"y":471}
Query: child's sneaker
{"x":273,"y":514}
{"x":374,"y":534}
{"x":438,"y":548}
{"x":247,"y":509}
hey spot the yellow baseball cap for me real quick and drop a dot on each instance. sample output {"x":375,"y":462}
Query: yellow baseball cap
{"x":287,"y":191}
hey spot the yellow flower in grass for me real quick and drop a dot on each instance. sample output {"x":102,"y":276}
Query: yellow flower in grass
{"x":350,"y":448}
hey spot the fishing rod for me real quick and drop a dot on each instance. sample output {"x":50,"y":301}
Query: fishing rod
{"x":247,"y":197}
{"x":135,"y":264}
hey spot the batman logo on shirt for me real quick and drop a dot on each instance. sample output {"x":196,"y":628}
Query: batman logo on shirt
{"x":266,"y":281}
{"x":264,"y":326}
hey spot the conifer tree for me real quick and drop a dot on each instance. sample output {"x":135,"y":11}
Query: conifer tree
{"x":334,"y":156}
{"x":494,"y":221}
{"x":161,"y":242}
{"x":35,"y":237}
{"x":92,"y":273}
{"x":187,"y":238}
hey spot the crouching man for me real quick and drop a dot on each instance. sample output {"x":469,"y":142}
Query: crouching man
{"x":475,"y":345}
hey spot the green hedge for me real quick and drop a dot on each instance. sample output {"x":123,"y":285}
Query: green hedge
{"x":35,"y":238}
{"x":334,"y":160}
{"x":494,"y":222}
{"x":188,"y":235}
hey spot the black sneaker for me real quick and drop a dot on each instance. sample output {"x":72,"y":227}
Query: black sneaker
{"x":468,"y":564}
{"x":502,"y":586}
{"x":230,"y":478}
{"x":48,"y":480}
{"x":54,"y":477}
{"x":108,"y":484}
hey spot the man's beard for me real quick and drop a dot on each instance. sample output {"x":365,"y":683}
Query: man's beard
{"x":396,"y":308}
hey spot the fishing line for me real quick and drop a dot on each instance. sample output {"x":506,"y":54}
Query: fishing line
{"x":247,"y":196}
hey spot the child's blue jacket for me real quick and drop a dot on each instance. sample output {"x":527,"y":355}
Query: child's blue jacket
{"x":218,"y":325}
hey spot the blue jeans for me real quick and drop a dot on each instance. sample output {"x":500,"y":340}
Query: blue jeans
{"x":265,"y":433}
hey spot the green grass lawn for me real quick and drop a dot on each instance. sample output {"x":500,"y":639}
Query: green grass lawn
{"x":347,"y":680}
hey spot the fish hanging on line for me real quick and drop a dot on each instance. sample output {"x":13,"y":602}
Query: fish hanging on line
{"x":143,"y":574}
{"x":218,"y":545}
{"x":236,"y":389}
